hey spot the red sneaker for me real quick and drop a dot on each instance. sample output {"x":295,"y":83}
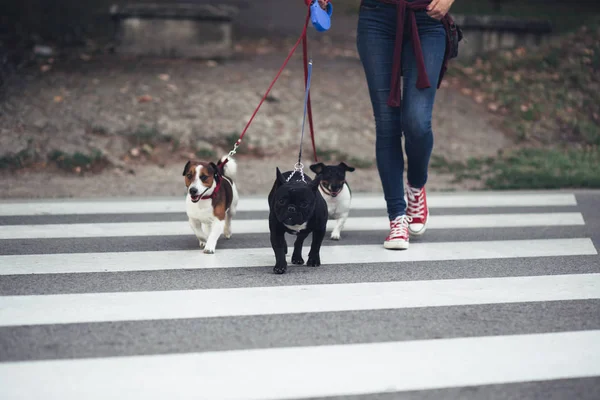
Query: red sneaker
{"x":417,"y":209}
{"x":398,"y":237}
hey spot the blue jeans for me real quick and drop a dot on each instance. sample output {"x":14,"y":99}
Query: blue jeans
{"x":375,"y":42}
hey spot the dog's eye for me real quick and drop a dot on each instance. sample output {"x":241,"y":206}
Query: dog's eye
{"x":190,"y":176}
{"x":203,"y":178}
{"x":303,"y":204}
{"x":281,"y":202}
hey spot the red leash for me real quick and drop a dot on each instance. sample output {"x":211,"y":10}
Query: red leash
{"x":302,"y":39}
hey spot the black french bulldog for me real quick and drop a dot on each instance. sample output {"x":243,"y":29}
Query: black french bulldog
{"x":296,"y":207}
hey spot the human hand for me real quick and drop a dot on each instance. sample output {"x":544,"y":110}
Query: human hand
{"x":323,"y":4}
{"x":437,"y":9}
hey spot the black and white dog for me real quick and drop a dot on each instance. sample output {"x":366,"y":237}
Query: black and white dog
{"x":336,"y":192}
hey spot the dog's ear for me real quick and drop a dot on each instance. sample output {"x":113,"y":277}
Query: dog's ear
{"x":186,"y":168}
{"x":346,"y":167}
{"x":314,"y":185}
{"x":280,"y":178}
{"x":317,"y":168}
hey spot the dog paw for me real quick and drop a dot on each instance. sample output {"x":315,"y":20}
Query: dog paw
{"x":280,"y":268}
{"x":208,"y":250}
{"x":335,"y":236}
{"x":314,"y":261}
{"x":297,"y":259}
{"x":202,"y":243}
{"x":227,"y":235}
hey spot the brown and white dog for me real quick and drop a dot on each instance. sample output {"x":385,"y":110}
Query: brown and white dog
{"x":211,"y":200}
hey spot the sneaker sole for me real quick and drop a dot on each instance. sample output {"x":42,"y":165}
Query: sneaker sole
{"x":417,"y":233}
{"x":395,"y":245}
{"x":422,"y":231}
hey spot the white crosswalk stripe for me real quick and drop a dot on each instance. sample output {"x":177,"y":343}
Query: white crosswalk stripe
{"x":496,"y":313}
{"x":262,"y":226}
{"x":326,"y":370}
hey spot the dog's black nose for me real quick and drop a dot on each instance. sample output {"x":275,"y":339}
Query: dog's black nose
{"x":193,"y":191}
{"x":291,"y":209}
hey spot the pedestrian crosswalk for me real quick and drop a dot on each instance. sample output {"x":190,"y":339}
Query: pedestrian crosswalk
{"x":113,"y":299}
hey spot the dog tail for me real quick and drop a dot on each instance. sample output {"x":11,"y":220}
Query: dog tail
{"x":230,"y":169}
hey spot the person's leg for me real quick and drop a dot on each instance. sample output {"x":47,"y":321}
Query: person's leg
{"x":376,"y":34}
{"x":417,"y":111}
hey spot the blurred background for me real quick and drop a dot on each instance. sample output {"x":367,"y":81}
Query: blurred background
{"x":105,"y":98}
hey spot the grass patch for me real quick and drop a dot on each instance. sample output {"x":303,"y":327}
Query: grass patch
{"x":149,"y":135}
{"x":550,"y":95}
{"x":529,"y":168}
{"x":77,"y":162}
{"x":18,"y":160}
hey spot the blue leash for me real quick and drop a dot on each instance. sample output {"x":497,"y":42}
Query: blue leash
{"x":305,"y":106}
{"x":299,"y":167}
{"x":321,"y":20}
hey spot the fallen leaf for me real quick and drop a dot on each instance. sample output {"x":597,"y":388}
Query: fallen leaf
{"x":85,"y":57}
{"x":58,"y":99}
{"x":45,"y":68}
{"x":211,"y":63}
{"x":78,"y":170}
{"x":479,"y":98}
{"x":134,"y":152}
{"x":172,"y":87}
{"x":524,"y":108}
{"x":164,"y":77}
{"x":147,"y":148}
{"x":144,"y":98}
{"x":493,"y":107}
{"x":466,"y":91}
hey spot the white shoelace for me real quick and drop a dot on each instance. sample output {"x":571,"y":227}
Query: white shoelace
{"x":399,"y":226}
{"x":416,"y":203}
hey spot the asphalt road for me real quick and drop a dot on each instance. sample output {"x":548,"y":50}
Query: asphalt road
{"x":113,"y":299}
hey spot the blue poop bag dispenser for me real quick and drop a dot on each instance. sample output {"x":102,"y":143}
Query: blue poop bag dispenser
{"x":321,"y":19}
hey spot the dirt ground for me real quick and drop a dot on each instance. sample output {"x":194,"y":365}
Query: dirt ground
{"x":147,"y":117}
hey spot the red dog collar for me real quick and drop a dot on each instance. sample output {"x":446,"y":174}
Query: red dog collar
{"x":214,"y":192}
{"x":329,"y":192}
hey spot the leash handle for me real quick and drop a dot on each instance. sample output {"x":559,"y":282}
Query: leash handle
{"x":321,"y":19}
